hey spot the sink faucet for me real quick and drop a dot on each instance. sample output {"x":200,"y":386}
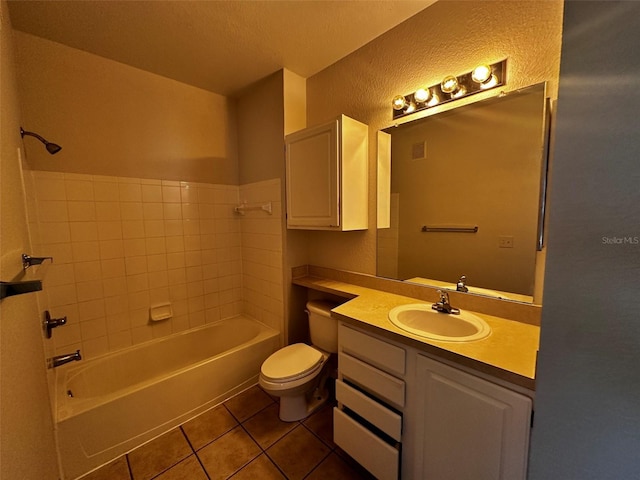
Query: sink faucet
{"x":58,"y":360}
{"x":461,"y":285}
{"x":443,"y":306}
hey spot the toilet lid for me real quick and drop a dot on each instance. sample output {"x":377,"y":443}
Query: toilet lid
{"x":291,"y":362}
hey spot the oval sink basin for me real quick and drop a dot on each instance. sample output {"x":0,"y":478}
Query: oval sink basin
{"x":421,"y":320}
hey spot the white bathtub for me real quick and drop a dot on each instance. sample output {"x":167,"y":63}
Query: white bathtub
{"x":112,"y":404}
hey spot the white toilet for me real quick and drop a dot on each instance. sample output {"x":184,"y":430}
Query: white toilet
{"x":297,"y":373}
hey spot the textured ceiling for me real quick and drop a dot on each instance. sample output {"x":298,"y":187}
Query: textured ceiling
{"x":221,"y":46}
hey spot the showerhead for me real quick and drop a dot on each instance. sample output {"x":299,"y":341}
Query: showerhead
{"x":52,"y":148}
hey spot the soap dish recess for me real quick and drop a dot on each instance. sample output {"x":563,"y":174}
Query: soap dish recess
{"x":160,"y":312}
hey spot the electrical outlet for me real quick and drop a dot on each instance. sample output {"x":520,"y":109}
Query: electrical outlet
{"x":505,"y":242}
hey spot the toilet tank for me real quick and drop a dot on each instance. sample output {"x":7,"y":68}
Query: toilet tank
{"x":322,"y":328}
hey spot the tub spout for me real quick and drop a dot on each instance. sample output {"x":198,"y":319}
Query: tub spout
{"x":58,"y":360}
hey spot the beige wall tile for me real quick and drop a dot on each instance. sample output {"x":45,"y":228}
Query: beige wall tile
{"x":83,"y":231}
{"x":153,"y":211}
{"x":136,"y":265}
{"x":133,"y":229}
{"x":79,"y":189}
{"x":151,"y":193}
{"x":171,"y":193}
{"x":85,"y":271}
{"x":111,"y":249}
{"x":130,"y":192}
{"x":53,"y":211}
{"x":106,"y":211}
{"x":91,"y":309}
{"x":81,"y":211}
{"x":172,"y":211}
{"x":105,"y":191}
{"x":131,"y":211}
{"x":111,"y":230}
{"x":114,"y":267}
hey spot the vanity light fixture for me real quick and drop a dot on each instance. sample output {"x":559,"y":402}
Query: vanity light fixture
{"x":483,"y":77}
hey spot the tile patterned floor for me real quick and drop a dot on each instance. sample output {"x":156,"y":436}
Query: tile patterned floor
{"x":241,"y":439}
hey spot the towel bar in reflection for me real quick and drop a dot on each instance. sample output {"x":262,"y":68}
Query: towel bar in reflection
{"x":426,"y":228}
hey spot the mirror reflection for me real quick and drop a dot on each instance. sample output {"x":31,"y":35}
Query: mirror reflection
{"x":467,"y":196}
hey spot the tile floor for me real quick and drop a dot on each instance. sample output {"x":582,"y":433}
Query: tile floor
{"x":240,"y":439}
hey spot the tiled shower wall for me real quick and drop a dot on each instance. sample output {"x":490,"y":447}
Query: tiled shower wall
{"x":121,"y":245}
{"x":262,"y":254}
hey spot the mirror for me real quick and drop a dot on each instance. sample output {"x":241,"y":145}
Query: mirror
{"x":467,"y":196}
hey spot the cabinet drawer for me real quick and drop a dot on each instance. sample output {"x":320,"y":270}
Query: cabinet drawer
{"x":376,"y":381}
{"x":377,"y":456}
{"x":375,"y":413}
{"x":381,"y":354}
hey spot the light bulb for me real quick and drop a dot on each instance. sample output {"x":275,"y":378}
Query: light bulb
{"x":434,"y":100}
{"x":492,"y":82}
{"x":422,"y":95}
{"x":449,"y":84}
{"x":481,"y":74}
{"x":399,"y":102}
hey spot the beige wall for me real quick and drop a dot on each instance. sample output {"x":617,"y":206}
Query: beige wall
{"x":261,"y":130}
{"x":447,"y":38}
{"x":112,"y":119}
{"x":27,"y":448}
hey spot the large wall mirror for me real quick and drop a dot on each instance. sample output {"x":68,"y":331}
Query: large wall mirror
{"x":481,"y":165}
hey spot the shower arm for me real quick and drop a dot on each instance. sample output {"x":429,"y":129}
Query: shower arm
{"x":24,"y":132}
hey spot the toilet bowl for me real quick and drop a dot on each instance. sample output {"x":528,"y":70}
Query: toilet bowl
{"x":298,"y":373}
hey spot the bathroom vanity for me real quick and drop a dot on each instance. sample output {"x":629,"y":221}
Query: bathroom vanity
{"x":415,"y":408}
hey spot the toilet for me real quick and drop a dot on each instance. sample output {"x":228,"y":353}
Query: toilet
{"x":298,"y":373}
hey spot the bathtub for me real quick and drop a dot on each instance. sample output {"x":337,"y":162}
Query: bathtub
{"x":108,"y":406}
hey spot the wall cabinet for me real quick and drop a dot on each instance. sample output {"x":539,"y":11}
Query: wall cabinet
{"x":468,"y":427}
{"x":327,"y":176}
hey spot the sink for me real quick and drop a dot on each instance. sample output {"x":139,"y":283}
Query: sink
{"x":421,"y":320}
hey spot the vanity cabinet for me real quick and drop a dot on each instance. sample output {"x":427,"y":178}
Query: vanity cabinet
{"x":467,"y":427}
{"x":327,"y":176}
{"x":403,"y":414}
{"x":367,"y":423}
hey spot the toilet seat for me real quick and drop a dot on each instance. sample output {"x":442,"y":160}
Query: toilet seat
{"x":291,"y":363}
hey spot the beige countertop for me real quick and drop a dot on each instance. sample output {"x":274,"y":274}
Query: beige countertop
{"x":508,"y":353}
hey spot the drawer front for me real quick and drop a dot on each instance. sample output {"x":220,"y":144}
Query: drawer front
{"x":380,"y":416}
{"x":377,"y":456}
{"x":381,"y":354}
{"x":376,"y":381}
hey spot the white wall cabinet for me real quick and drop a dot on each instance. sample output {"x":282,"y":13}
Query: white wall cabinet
{"x":468,"y":427}
{"x":327,"y":176}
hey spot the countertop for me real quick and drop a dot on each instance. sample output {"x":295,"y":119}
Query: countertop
{"x":508,"y":353}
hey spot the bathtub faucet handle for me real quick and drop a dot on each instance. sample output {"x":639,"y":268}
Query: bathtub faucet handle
{"x":51,"y":323}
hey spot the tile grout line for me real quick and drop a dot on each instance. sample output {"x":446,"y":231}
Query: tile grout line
{"x":195,"y":452}
{"x":126,"y":457}
{"x":330,"y":452}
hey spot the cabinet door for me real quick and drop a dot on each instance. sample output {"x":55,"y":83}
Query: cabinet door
{"x":312,"y":177}
{"x":470,"y":428}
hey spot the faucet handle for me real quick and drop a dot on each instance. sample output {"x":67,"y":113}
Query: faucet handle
{"x":444,"y":296}
{"x":461,"y":285}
